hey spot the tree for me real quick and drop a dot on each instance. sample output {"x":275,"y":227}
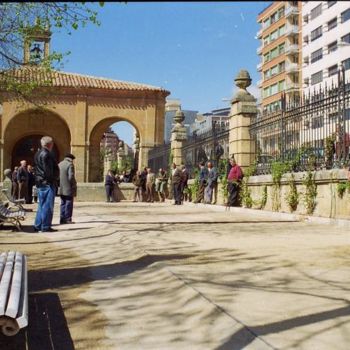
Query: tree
{"x":19,"y":20}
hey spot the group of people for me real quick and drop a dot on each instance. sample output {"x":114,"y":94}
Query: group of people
{"x":23,"y":183}
{"x":43,"y":181}
{"x":208,"y":183}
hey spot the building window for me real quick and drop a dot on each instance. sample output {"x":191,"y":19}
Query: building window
{"x":332,"y":70}
{"x":266,"y":23}
{"x":274,"y":53}
{"x":266,"y":40}
{"x":281,"y":85}
{"x":274,"y":35}
{"x":346,"y":64}
{"x":281,"y":30}
{"x":316,"y":11}
{"x":274,"y":70}
{"x":267,"y":57}
{"x":346,"y":38}
{"x":281,"y":67}
{"x":281,"y":49}
{"x":316,"y":78}
{"x":266,"y":92}
{"x":345,"y":15}
{"x":332,"y":47}
{"x":332,"y":23}
{"x":281,"y":12}
{"x":315,"y":34}
{"x":316,"y":55}
{"x":331,"y":3}
{"x":274,"y":89}
{"x":267,"y":74}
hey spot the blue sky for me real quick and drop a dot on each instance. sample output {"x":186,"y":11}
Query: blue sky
{"x":193,"y":49}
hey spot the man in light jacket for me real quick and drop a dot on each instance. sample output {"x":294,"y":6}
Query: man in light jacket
{"x":67,"y":189}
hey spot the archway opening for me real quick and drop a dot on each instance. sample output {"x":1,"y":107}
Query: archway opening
{"x":24,"y":131}
{"x":25,"y":149}
{"x":114,"y":144}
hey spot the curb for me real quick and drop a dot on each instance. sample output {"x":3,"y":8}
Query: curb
{"x":275,"y":215}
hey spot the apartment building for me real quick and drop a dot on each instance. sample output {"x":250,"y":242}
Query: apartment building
{"x":280,"y":53}
{"x":326,"y":42}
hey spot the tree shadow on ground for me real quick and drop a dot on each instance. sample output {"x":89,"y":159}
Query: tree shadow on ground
{"x":47,"y":328}
{"x":40,"y":280}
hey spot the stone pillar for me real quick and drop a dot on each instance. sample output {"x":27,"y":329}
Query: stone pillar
{"x":243,"y":112}
{"x":178,"y":137}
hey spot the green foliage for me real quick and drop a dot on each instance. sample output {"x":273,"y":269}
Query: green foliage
{"x":245,"y":193}
{"x":277,"y":171}
{"x":263,"y":199}
{"x":194,"y":188}
{"x":222,"y":167}
{"x":292,"y":196}
{"x":342,"y":187}
{"x":310,"y":192}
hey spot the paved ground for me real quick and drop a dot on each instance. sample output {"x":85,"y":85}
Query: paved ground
{"x":157,"y":276}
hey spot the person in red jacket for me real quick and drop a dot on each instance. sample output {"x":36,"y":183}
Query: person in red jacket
{"x":234,"y":178}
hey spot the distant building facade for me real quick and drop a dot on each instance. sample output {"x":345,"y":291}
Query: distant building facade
{"x":280,"y":53}
{"x":326,"y":42}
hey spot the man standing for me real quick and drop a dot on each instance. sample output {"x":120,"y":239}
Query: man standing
{"x":22,"y":179}
{"x":184,"y":181}
{"x":212,"y":183}
{"x":46,"y":177}
{"x":14,"y":188}
{"x":203,"y":178}
{"x":150,"y":180}
{"x":176,"y":181}
{"x":68,"y":188}
{"x":31,"y":183}
{"x":234,"y":178}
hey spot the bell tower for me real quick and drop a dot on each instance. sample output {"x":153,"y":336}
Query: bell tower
{"x":36,"y":43}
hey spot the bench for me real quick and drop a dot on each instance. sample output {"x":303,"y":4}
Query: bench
{"x":18,"y":203}
{"x":12,"y":215}
{"x":13,"y":292}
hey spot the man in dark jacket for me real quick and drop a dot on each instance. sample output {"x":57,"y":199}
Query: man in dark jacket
{"x":176,"y":181}
{"x":22,"y":179}
{"x":68,"y":188}
{"x":46,"y":177}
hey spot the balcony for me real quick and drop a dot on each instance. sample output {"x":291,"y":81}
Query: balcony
{"x":259,"y":50}
{"x":259,"y":34}
{"x":291,"y":11}
{"x":291,"y":49}
{"x":291,"y":30}
{"x":259,"y":67}
{"x":292,"y":68}
{"x":292,"y":86}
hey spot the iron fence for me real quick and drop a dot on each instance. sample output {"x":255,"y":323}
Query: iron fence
{"x":311,"y":132}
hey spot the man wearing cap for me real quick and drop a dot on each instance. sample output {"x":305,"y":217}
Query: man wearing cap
{"x":67,"y":189}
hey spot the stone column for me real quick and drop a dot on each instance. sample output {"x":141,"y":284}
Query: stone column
{"x":243,"y":112}
{"x":178,"y":137}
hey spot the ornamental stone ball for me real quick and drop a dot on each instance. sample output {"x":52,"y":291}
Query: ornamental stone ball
{"x":242,"y":81}
{"x":179,"y":116}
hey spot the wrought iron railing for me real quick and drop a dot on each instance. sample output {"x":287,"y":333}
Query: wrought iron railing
{"x":312,"y":131}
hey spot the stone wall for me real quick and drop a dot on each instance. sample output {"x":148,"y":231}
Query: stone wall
{"x":328,"y":202}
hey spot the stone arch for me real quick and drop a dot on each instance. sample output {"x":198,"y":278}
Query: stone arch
{"x":35,"y":122}
{"x":94,"y":144}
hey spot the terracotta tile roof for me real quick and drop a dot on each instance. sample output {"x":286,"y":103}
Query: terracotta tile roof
{"x":63,"y":79}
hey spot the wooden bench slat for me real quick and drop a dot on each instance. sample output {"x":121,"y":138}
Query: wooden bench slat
{"x":3,"y":257}
{"x":5,"y":282}
{"x":22,"y":317}
{"x":15,"y":290}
